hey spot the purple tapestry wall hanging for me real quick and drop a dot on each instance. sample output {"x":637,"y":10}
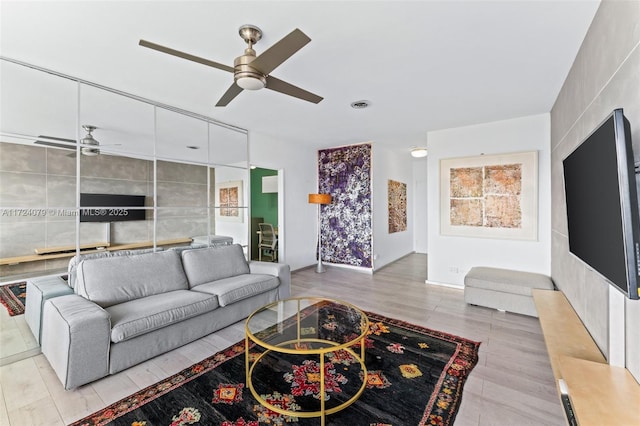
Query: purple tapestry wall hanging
{"x":345,"y":173}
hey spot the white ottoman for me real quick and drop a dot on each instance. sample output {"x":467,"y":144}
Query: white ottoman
{"x":504,"y":289}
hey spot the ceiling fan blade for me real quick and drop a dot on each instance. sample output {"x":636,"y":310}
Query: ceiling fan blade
{"x":228,"y":96}
{"x":53,"y":142}
{"x":280,"y":52}
{"x":291,"y":90}
{"x":184,"y":55}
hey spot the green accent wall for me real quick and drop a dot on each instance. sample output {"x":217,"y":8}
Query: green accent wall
{"x":263,"y":205}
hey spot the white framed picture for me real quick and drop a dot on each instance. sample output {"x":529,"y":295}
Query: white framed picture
{"x":228,"y":201}
{"x":490,"y":196}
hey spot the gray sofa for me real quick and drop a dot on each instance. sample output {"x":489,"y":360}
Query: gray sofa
{"x":128,"y":309}
{"x":39,"y":289}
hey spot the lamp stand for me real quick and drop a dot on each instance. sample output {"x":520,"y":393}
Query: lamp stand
{"x":319,"y":199}
{"x":319,"y":267}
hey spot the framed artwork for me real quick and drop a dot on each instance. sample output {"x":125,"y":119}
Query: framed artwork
{"x":490,"y":196}
{"x":228,"y":201}
{"x":397,"y":204}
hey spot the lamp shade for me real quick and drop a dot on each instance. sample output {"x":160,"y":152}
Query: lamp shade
{"x":319,"y":198}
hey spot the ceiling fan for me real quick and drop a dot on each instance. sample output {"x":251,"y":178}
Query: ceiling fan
{"x":89,"y":146}
{"x":252,"y":72}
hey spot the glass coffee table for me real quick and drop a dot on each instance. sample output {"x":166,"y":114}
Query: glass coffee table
{"x":305,"y":357}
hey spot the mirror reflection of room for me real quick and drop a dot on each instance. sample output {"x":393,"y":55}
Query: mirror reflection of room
{"x":82,"y":142}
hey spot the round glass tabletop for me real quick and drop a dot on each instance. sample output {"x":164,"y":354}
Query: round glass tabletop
{"x":307,"y":325}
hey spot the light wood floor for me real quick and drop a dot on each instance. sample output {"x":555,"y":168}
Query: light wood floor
{"x":511,"y":385}
{"x":16,"y":340}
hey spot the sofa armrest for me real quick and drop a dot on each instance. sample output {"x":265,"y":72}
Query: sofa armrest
{"x":280,"y":270}
{"x":76,"y":336}
{"x":38,"y":291}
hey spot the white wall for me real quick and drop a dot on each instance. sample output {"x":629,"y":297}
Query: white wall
{"x":394,"y":165}
{"x":420,"y":205}
{"x":299,"y":230}
{"x":450,"y":258}
{"x":300,"y":170}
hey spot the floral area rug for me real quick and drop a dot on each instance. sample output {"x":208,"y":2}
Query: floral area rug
{"x":415,"y":376}
{"x":13,"y":296}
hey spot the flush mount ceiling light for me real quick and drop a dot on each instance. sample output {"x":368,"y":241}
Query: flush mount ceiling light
{"x":419,"y":152}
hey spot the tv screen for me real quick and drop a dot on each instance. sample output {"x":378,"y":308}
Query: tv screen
{"x":113,"y":207}
{"x":602,"y":203}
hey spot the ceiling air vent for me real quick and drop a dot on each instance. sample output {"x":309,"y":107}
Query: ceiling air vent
{"x":360,"y":104}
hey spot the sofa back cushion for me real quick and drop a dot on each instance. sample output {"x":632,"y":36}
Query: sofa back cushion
{"x":214,"y":263}
{"x":75,"y":260}
{"x":112,"y":280}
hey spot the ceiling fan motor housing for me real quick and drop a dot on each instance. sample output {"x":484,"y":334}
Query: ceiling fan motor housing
{"x":88,"y":143}
{"x":244,"y":75}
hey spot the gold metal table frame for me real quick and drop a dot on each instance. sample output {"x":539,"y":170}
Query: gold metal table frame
{"x":295,"y":346}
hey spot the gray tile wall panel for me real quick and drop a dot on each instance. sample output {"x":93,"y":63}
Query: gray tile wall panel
{"x":604,"y":76}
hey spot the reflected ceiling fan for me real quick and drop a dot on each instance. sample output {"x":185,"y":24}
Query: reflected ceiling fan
{"x":88,"y":144}
{"x":252,"y":72}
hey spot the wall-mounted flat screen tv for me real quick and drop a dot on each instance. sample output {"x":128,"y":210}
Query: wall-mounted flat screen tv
{"x":111,"y":207}
{"x":602,"y":204}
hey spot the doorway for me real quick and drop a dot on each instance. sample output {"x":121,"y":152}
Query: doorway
{"x":265,"y":202}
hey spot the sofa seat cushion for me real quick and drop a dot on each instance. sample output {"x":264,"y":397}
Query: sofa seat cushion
{"x":214,"y":263}
{"x":140,"y":316}
{"x":234,"y":289}
{"x":113,"y":280}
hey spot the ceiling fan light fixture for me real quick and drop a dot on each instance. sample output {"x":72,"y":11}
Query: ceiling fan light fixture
{"x":419,"y":152}
{"x":250,"y":81}
{"x":89,"y":152}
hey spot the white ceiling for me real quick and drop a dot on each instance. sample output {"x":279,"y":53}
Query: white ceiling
{"x":424,"y":65}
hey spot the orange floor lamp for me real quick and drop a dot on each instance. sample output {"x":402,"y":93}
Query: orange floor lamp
{"x":319,"y":199}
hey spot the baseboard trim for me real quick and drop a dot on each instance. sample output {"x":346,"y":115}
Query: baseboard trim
{"x":10,"y":359}
{"x":459,"y":287}
{"x":359,"y":269}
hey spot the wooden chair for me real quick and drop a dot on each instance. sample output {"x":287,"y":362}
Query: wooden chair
{"x":268,"y":244}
